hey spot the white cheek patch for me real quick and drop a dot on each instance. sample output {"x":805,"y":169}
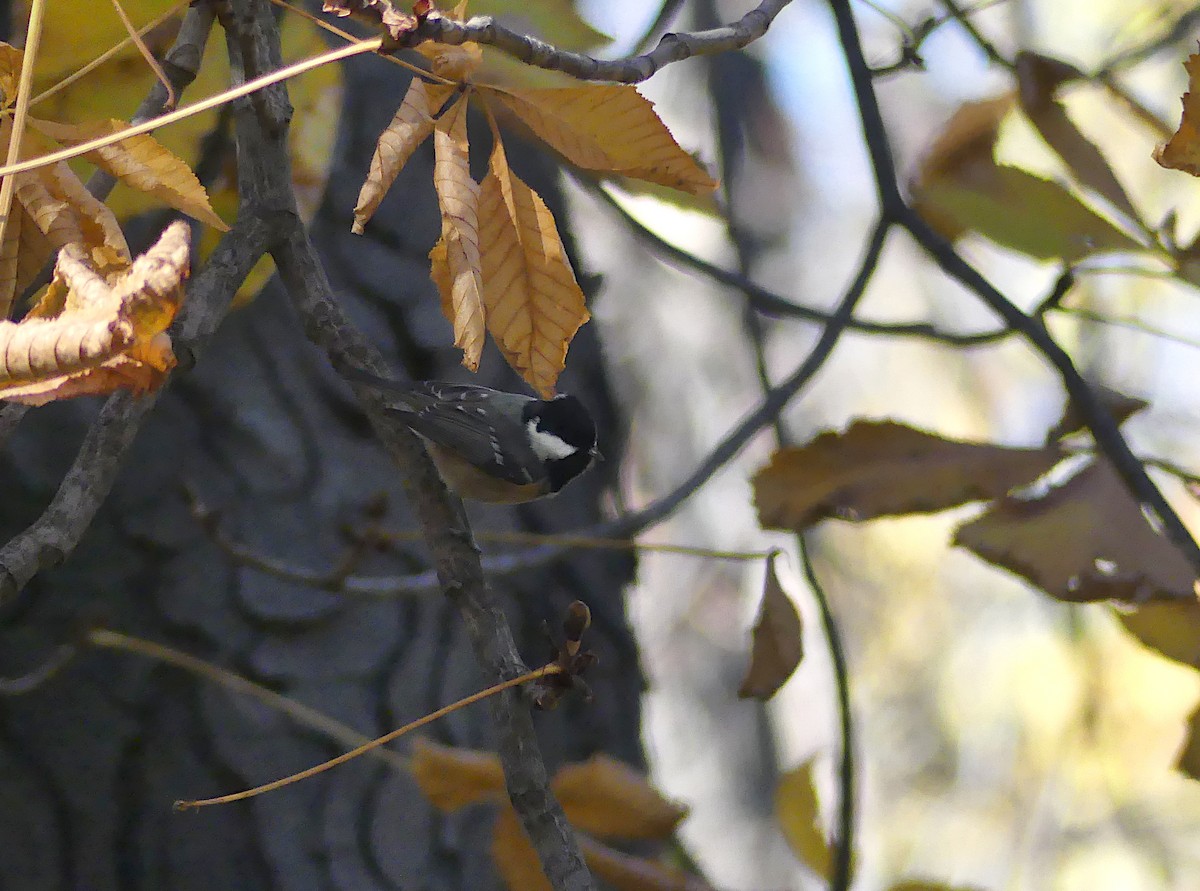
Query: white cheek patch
{"x":547,"y":446}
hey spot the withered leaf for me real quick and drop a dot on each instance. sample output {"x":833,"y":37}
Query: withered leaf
{"x":798,"y":813}
{"x":383,"y":13}
{"x":411,"y":125}
{"x":534,"y":304}
{"x":624,"y":872}
{"x":515,"y":859}
{"x":453,"y":778}
{"x":100,"y":336}
{"x":140,"y":162}
{"x":1120,"y":406}
{"x":1084,"y":540}
{"x":10,"y":73}
{"x":1182,"y":151}
{"x":777,"y":641}
{"x":608,"y":798}
{"x":458,"y":197}
{"x":882,"y":468}
{"x":608,"y":128}
{"x":452,"y":62}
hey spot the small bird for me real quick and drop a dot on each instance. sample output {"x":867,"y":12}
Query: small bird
{"x":490,"y":445}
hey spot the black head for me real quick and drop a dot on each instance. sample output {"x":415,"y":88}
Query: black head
{"x":570,"y":437}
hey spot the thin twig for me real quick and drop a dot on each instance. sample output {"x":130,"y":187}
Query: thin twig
{"x":33,"y":38}
{"x":1161,"y":516}
{"x":134,"y":35}
{"x":305,"y":716}
{"x":366,"y":747}
{"x":634,"y":69}
{"x":843,"y":849}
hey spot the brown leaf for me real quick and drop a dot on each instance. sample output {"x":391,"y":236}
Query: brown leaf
{"x":1084,"y":540}
{"x":625,"y":872}
{"x":10,"y":72}
{"x":881,"y":468}
{"x":610,"y":128}
{"x":456,"y":63}
{"x":962,"y":153}
{"x":608,"y":798}
{"x":1182,"y":151}
{"x":514,"y":856}
{"x":798,"y":813}
{"x":410,"y":127}
{"x":777,"y":642}
{"x":453,"y":778}
{"x":1188,"y":761}
{"x":64,"y":210}
{"x":382,"y":13}
{"x":534,"y":305}
{"x":458,"y":196}
{"x":1120,"y":406}
{"x":103,"y":336}
{"x":140,"y":162}
{"x":1170,"y":627}
{"x":1038,"y":79}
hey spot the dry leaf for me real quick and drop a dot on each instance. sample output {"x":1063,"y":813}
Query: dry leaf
{"x":1084,"y":540}
{"x":397,"y":24}
{"x":534,"y":305}
{"x":881,"y":468}
{"x":458,"y":197}
{"x":452,"y":62}
{"x":625,"y":872}
{"x":514,"y":856}
{"x":104,"y":336}
{"x":1038,"y":79}
{"x":609,"y":128}
{"x":778,"y":643}
{"x":1182,"y":151}
{"x":410,"y":127}
{"x":798,"y":813}
{"x":10,"y":72}
{"x":140,"y":162}
{"x":452,"y":778}
{"x":608,"y":798}
{"x":1120,"y":406}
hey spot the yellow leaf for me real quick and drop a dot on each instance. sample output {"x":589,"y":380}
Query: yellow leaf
{"x":452,"y":62}
{"x":797,"y":810}
{"x":1182,"y":151}
{"x":106,"y":335}
{"x":10,"y":72}
{"x":608,"y":798}
{"x":458,"y":197}
{"x":534,"y":305}
{"x":514,"y":856}
{"x":609,"y":128}
{"x":140,"y":162}
{"x":778,"y":642}
{"x":453,"y":778}
{"x":410,"y":127}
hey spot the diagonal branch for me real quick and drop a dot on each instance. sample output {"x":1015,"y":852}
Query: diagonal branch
{"x":635,"y":69}
{"x":1096,"y":416}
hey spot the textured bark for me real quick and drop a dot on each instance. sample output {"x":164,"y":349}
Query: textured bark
{"x":264,"y":431}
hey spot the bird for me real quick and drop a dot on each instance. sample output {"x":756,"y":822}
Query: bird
{"x":492,"y":445}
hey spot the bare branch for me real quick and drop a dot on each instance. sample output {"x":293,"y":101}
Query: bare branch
{"x":632,"y":70}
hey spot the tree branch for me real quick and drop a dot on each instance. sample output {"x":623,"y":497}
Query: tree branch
{"x":635,"y":69}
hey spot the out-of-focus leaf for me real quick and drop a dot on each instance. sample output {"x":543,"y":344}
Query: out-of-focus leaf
{"x":1182,"y":151}
{"x":932,"y":886}
{"x":881,"y":468}
{"x":534,"y":305}
{"x":799,"y":814}
{"x":452,"y":778}
{"x":624,"y":872}
{"x":555,"y":21}
{"x":1084,"y":540}
{"x":610,"y":799}
{"x":10,"y":73}
{"x":1172,"y":628}
{"x":514,"y":856}
{"x":1120,"y":406}
{"x":1025,"y":213}
{"x":608,"y":128}
{"x":777,"y":642}
{"x":1038,"y":79}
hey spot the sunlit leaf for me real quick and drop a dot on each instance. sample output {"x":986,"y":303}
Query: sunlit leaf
{"x":799,"y":816}
{"x":610,"y":799}
{"x":881,"y":468}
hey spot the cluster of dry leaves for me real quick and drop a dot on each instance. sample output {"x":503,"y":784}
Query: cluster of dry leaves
{"x":100,"y":323}
{"x":499,"y":265}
